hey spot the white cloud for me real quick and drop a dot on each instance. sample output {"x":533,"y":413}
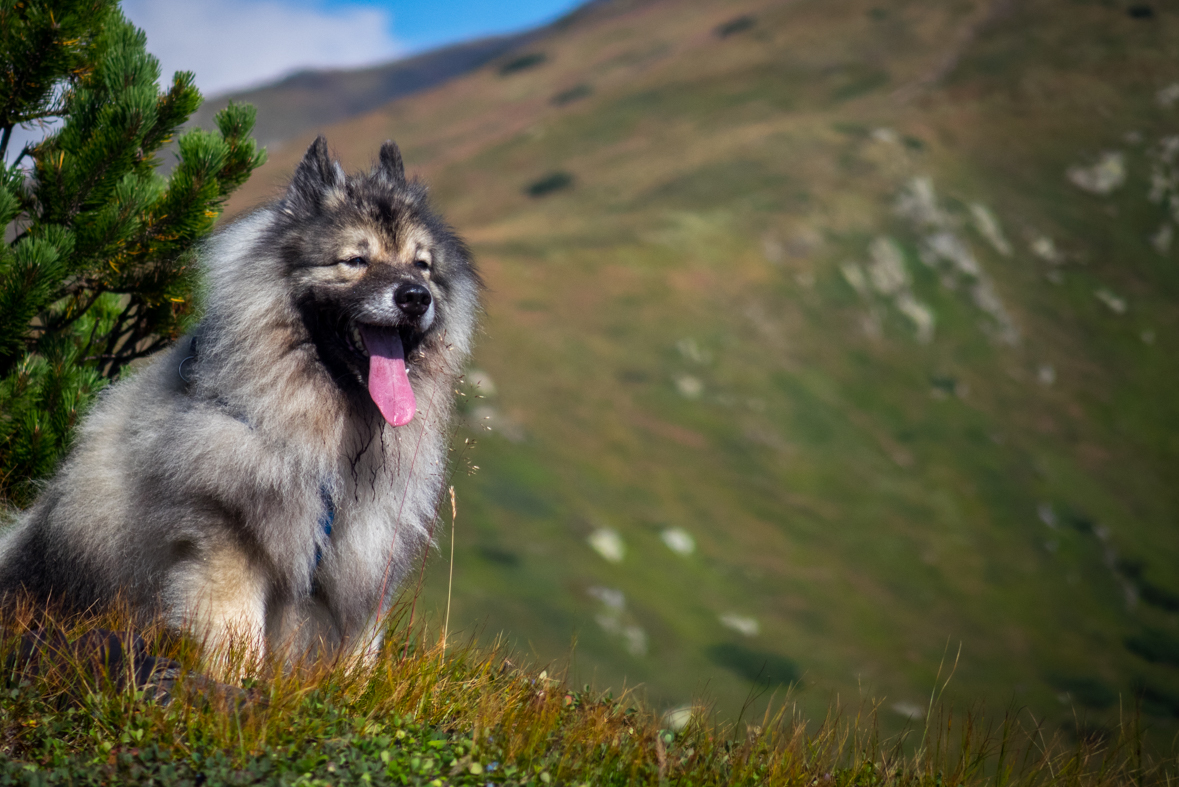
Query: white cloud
{"x":235,"y":44}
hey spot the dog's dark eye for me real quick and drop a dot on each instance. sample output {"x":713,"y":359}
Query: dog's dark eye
{"x":355,"y":262}
{"x":422,"y":263}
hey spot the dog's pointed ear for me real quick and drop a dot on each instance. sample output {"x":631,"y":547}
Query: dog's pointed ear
{"x":316,"y":174}
{"x":392,"y":166}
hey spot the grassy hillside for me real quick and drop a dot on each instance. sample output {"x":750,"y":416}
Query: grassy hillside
{"x":868,"y":309}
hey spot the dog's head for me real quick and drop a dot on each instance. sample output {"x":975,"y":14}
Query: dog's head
{"x":385,"y":289}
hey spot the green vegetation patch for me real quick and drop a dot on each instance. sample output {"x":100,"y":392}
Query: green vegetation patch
{"x":553,"y":182}
{"x":523,"y":63}
{"x":858,"y":80}
{"x":756,"y":666}
{"x":575,"y":93}
{"x":1156,"y":645}
{"x":730,"y":185}
{"x":736,"y":25}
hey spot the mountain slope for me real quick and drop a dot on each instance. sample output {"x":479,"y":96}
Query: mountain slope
{"x":309,"y":100}
{"x":875,"y":303}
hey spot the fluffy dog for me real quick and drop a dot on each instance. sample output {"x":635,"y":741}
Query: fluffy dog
{"x":269,"y":481}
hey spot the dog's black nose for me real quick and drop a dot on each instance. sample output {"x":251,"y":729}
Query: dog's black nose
{"x":413,"y":299}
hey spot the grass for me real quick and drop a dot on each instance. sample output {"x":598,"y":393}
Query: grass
{"x":425,"y":714}
{"x":861,"y":495}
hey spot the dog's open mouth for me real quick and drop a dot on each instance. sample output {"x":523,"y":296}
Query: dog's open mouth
{"x":388,"y":378}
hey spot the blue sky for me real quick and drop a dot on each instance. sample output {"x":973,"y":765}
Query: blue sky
{"x":233,"y":44}
{"x":424,"y":25}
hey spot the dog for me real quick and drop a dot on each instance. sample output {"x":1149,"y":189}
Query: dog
{"x":267,"y":483}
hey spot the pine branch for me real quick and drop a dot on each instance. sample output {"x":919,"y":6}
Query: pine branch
{"x":99,"y":272}
{"x":122,"y":359}
{"x":74,"y":312}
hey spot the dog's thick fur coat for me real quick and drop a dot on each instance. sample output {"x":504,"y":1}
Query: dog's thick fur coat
{"x":246,"y":485}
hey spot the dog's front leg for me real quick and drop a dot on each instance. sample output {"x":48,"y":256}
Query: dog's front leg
{"x":365,"y":646}
{"x":220,"y":598}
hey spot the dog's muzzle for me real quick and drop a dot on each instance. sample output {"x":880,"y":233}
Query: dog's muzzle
{"x":412,"y":299}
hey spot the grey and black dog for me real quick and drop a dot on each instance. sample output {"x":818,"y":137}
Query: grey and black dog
{"x":268,"y":482}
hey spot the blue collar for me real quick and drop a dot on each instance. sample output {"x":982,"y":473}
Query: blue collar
{"x":325,"y":521}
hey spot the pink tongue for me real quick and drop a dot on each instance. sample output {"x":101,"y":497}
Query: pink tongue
{"x":388,"y":383}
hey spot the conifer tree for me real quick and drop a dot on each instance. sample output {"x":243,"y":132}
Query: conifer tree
{"x":96,"y":266}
